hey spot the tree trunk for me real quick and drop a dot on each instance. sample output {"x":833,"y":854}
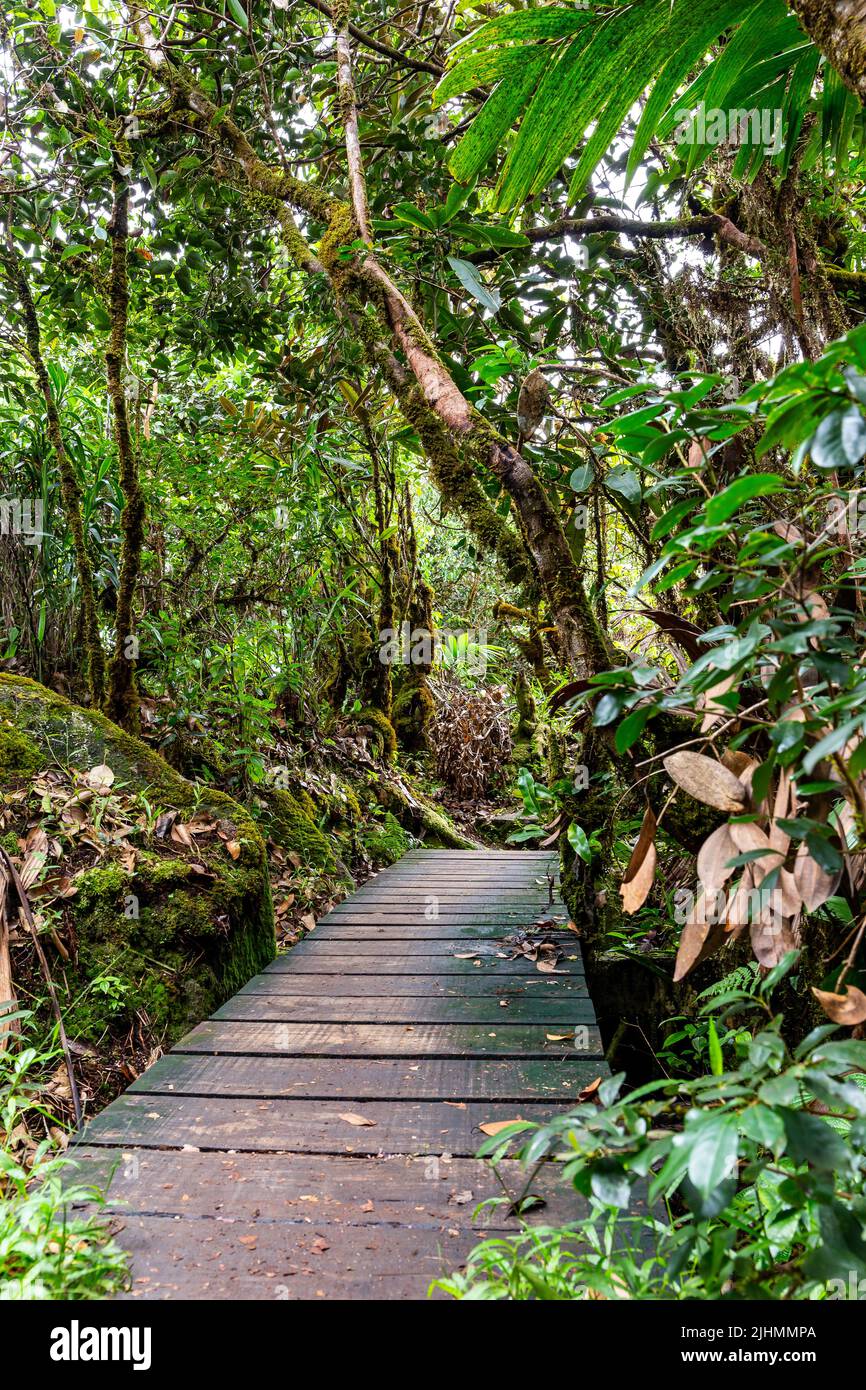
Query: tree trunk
{"x":122,"y":700}
{"x":838,"y":27}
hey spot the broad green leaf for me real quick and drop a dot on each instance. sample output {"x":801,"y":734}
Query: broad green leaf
{"x":719,"y":508}
{"x":470,"y":280}
{"x":496,"y":117}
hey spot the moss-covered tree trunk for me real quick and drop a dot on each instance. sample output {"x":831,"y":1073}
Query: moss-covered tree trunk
{"x":838,"y":27}
{"x":122,"y":702}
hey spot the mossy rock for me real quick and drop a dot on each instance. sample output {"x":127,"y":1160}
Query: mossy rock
{"x":176,"y":936}
{"x":289,"y":819}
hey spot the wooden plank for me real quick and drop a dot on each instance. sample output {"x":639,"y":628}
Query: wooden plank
{"x":356,"y":1191}
{"x":386,"y":966}
{"x":214,"y":1260}
{"x":305,"y":1126}
{"x":287,"y":1008}
{"x":422,"y":986}
{"x":422,"y":911}
{"x":405,"y":948}
{"x":489,"y":1078}
{"x":389,"y":1040}
{"x":328,"y":930}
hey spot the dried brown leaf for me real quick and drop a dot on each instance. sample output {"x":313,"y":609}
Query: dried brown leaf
{"x":848,"y":1008}
{"x":706,"y":780}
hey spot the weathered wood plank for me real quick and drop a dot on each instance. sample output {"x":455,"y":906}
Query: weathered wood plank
{"x":356,"y":1191}
{"x":563,"y":1011}
{"x":423,"y":986}
{"x":444,"y":966}
{"x":442,"y":926}
{"x":189,"y":1259}
{"x":304,"y":1126}
{"x":404,"y":947}
{"x":487,"y":1078}
{"x":390,"y":1040}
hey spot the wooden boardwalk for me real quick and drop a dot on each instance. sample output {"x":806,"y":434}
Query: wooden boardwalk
{"x":315,"y":1138}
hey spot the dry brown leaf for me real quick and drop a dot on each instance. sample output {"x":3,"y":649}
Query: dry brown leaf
{"x":639,"y":874}
{"x":848,"y":1008}
{"x":590,"y":1089}
{"x":180,"y":836}
{"x":749,"y":838}
{"x":814,"y":884}
{"x":700,"y":937}
{"x":492,"y":1127}
{"x":706,"y":780}
{"x":713,"y":857}
{"x":100,"y":779}
{"x":359,"y":1120}
{"x":233,"y":848}
{"x":772,"y":939}
{"x":738,"y":762}
{"x":559,"y":1037}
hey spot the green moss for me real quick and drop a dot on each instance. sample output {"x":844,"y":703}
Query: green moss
{"x":19,"y":755}
{"x":383,"y":727}
{"x":386,"y":842}
{"x":178,"y":941}
{"x":291,"y":825}
{"x":9,"y":842}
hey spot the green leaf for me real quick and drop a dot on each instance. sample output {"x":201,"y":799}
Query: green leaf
{"x":631,"y":728}
{"x":840,"y":439}
{"x":470,"y":280}
{"x":719,"y":508}
{"x":625,"y":482}
{"x":713,"y":1151}
{"x":811,"y":1140}
{"x":717,"y":1064}
{"x":579,"y":843}
{"x":239,"y":13}
{"x":488,"y":131}
{"x":582,"y":477}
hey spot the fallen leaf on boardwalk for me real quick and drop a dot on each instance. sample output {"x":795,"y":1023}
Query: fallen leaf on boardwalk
{"x":455,"y":1104}
{"x":100,"y":779}
{"x":559,"y":1037}
{"x":368,"y":1206}
{"x":233,"y":848}
{"x":589,"y":1090}
{"x":495,"y":1126}
{"x":356,"y":1119}
{"x":461,"y":1199}
{"x":547,"y":967}
{"x":463,"y":956}
{"x":247,"y":1240}
{"x":846,"y":1008}
{"x":319,"y":1246}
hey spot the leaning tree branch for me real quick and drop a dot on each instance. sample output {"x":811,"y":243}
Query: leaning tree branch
{"x":713,"y":224}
